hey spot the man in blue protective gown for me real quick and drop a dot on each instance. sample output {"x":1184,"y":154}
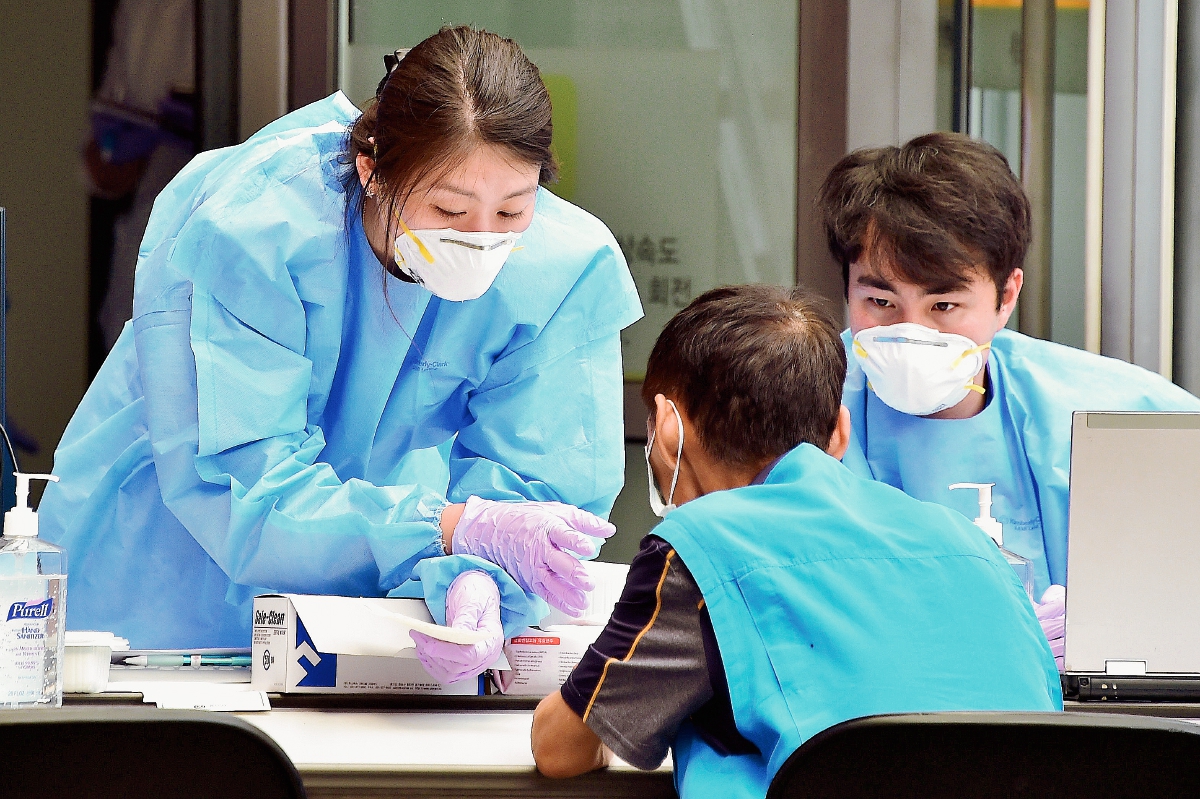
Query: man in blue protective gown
{"x":931,"y":237}
{"x":289,"y":411}
{"x":787,"y":594}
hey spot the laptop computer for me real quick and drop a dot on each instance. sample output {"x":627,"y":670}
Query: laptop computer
{"x":1133,"y":557}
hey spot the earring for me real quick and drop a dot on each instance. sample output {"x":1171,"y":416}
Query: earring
{"x":369,"y":192}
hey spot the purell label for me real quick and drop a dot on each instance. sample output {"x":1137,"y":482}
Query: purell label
{"x":30,"y":636}
{"x":31,"y":610}
{"x":23,"y":649}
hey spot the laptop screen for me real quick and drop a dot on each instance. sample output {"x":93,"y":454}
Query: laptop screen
{"x":1133,"y":556}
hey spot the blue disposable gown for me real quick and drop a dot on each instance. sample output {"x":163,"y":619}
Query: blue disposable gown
{"x":281,"y":415}
{"x":1021,"y":441}
{"x":834,"y":597}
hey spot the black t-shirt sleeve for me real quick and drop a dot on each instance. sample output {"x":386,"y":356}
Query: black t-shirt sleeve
{"x":647,"y":672}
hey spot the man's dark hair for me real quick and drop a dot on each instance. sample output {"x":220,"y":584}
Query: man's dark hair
{"x":930,"y":211}
{"x":757,"y":369}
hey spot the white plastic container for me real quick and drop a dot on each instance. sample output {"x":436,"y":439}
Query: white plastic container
{"x":87,"y":659}
{"x":33,"y":597}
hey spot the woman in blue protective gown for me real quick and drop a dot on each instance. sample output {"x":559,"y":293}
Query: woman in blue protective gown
{"x":352,"y":335}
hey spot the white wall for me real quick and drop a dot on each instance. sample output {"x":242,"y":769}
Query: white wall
{"x":891,"y":83}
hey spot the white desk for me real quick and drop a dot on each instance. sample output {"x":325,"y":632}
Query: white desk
{"x":345,"y":747}
{"x":371,"y":753}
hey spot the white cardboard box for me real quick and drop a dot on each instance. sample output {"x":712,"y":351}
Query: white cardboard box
{"x":330,"y":644}
{"x":542,"y":659}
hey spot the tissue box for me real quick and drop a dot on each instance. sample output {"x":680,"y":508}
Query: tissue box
{"x":332,"y":644}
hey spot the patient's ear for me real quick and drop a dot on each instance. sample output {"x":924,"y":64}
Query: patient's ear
{"x":840,"y":440}
{"x":666,"y":430}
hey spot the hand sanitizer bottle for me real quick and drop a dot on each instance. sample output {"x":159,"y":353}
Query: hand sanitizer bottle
{"x":1022,"y":566}
{"x":33,"y":597}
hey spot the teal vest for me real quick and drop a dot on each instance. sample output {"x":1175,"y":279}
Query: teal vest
{"x":834,"y":597}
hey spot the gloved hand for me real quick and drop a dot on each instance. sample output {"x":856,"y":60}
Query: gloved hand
{"x":533,"y":542}
{"x":472,"y":603}
{"x":1052,"y":613}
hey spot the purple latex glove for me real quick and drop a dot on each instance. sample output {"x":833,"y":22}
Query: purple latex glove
{"x":533,"y":542}
{"x":472,"y":603}
{"x":1052,"y":613}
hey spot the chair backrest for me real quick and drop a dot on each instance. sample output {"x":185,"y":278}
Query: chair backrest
{"x":933,"y":755}
{"x":133,"y":752}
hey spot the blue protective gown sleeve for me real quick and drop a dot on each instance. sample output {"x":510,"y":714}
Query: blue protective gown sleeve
{"x":518,"y":415}
{"x":267,"y":511}
{"x":517,"y":609}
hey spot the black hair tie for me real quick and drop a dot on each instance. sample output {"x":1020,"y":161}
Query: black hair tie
{"x":390,"y":62}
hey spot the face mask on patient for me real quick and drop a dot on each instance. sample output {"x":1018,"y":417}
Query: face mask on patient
{"x":657,"y":505}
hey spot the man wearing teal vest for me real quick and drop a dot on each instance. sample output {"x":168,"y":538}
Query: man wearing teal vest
{"x":787,"y":594}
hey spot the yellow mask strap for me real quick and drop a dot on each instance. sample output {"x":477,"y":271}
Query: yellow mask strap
{"x":967,"y":354}
{"x":975,"y":388}
{"x":420,"y":244}
{"x":859,"y":351}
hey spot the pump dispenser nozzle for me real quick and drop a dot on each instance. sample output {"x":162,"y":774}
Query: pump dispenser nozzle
{"x":985,"y":521}
{"x":22,"y":520}
{"x":1021,"y":565}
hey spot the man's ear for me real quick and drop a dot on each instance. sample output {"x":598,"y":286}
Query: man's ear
{"x":840,"y":440}
{"x":1008,"y":298}
{"x":666,"y":430}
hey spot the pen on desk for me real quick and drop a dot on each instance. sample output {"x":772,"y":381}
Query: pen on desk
{"x":187,"y":660}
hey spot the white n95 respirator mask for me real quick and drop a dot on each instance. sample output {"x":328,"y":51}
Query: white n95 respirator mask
{"x":453,"y":264}
{"x":917,"y":370}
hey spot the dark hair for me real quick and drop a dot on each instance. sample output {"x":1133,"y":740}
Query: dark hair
{"x":759,"y":370}
{"x":930,"y":210}
{"x":456,"y":90}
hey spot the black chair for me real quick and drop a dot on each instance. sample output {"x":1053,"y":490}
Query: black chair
{"x":140,"y":753}
{"x":933,"y":755}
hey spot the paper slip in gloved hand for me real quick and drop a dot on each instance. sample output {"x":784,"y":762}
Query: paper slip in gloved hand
{"x":472,"y":604}
{"x":534,"y":542}
{"x":372,"y":627}
{"x":1052,"y":613}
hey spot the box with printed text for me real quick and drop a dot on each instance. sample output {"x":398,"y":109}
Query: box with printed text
{"x":330,"y":644}
{"x":541,"y":658}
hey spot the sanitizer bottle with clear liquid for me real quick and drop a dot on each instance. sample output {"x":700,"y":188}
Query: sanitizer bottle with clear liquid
{"x":33,"y":599}
{"x":984,"y":521}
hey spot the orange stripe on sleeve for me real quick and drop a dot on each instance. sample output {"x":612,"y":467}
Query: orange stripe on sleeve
{"x":654,"y":617}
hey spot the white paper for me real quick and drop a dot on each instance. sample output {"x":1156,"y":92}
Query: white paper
{"x":372,"y":627}
{"x":229,"y":697}
{"x":609,"y":579}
